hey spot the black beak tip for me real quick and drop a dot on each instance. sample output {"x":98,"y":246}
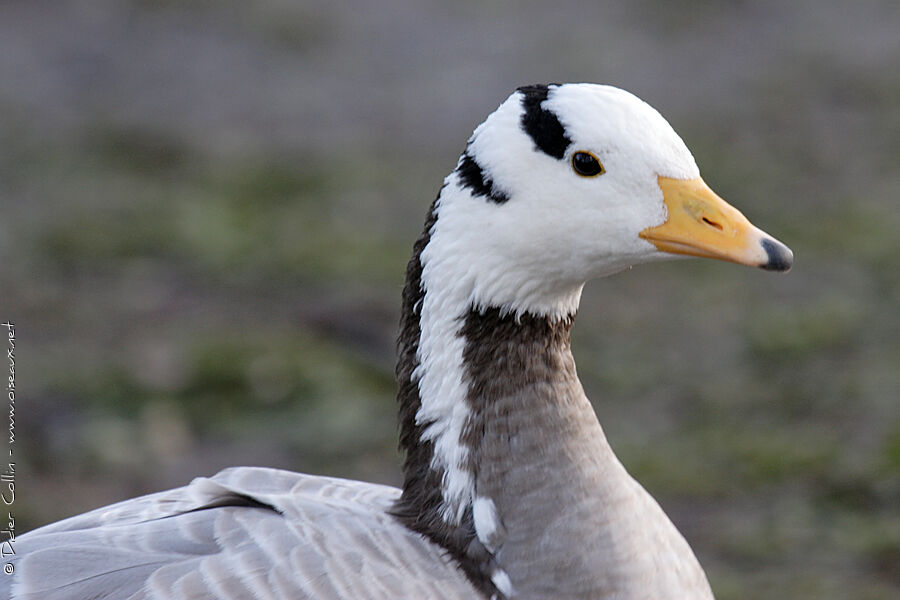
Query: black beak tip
{"x":781,"y":258}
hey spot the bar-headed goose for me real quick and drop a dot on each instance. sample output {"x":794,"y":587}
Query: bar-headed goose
{"x":510,"y":488}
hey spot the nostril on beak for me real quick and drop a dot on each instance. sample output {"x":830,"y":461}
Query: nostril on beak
{"x":712,"y":224}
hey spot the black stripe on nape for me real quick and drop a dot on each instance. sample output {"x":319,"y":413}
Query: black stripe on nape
{"x":540,"y":124}
{"x":472,"y":176}
{"x":419,"y":506}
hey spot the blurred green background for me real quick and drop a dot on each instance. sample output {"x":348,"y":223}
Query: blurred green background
{"x":206,"y":209}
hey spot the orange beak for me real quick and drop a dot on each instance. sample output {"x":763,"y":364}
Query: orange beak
{"x":700,"y":223}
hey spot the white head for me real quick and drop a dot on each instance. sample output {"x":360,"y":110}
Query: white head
{"x":559,"y":185}
{"x":549,"y":228}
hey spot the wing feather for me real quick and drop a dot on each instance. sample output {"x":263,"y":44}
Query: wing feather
{"x":244,"y":534}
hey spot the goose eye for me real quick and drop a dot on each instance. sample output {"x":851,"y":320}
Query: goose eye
{"x":586,"y":164}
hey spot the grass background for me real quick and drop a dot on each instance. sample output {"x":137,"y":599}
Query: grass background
{"x":206,"y":209}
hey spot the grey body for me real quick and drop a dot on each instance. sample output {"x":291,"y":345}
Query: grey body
{"x":574,"y":523}
{"x":245,"y":534}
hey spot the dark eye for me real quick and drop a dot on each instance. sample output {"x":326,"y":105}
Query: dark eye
{"x":586,"y":164}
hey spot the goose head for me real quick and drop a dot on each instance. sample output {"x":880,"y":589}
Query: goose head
{"x":565,"y":183}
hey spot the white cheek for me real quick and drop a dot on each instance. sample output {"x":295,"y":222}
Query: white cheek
{"x":609,"y":226}
{"x":565,"y":228}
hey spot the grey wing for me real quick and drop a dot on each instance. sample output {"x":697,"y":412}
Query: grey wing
{"x":244,"y":534}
